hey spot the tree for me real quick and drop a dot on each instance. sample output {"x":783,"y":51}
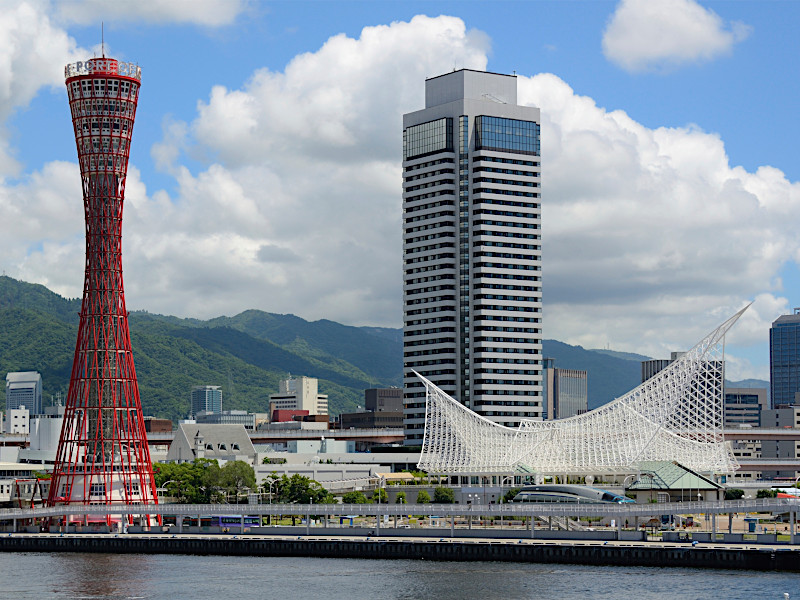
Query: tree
{"x":733,"y":494}
{"x":300,"y":489}
{"x":511,"y":494}
{"x":379,"y":496}
{"x":443,"y":495}
{"x":767,"y":493}
{"x":423,"y":497}
{"x":236,"y":476}
{"x":195,"y":482}
{"x":400,"y":498}
{"x":354,"y":498}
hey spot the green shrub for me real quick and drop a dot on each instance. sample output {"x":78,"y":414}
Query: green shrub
{"x":354,"y":498}
{"x":443,"y":495}
{"x":733,"y":494}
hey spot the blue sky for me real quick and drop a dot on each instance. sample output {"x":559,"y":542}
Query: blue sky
{"x":265,"y":169}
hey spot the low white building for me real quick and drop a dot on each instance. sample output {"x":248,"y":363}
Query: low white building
{"x":18,"y":421}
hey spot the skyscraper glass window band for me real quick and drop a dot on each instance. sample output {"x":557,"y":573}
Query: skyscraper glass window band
{"x":463,"y":230}
{"x":506,"y":135}
{"x":428,"y":138}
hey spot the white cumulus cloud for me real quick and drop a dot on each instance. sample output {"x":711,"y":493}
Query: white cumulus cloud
{"x":650,"y":236}
{"x":645,"y":35}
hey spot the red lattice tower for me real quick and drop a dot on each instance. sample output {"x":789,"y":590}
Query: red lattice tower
{"x":102,"y":456}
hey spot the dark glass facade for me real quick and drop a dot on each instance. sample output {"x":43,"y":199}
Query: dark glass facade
{"x":428,"y":138}
{"x":506,"y":135}
{"x":784,"y":359}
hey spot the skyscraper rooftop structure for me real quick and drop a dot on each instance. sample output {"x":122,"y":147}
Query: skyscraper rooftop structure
{"x":784,"y":360}
{"x":102,"y":455}
{"x":472,"y":249}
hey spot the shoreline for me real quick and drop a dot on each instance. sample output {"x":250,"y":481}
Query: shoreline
{"x":584,"y":552}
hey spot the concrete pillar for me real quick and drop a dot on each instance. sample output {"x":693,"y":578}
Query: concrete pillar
{"x":532,"y":526}
{"x":469,"y":522}
{"x":179,"y":521}
{"x":730,"y":522}
{"x":793,"y":531}
{"x":714,"y":527}
{"x":308,"y":523}
{"x":241,"y":523}
{"x":452,"y":525}
{"x":619,"y":528}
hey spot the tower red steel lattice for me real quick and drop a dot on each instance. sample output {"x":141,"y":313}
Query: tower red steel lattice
{"x":102,"y":455}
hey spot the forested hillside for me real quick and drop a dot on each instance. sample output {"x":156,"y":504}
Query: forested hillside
{"x":247,"y":355}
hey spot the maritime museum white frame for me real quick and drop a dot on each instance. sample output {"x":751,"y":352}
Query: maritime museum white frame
{"x":676,"y":415}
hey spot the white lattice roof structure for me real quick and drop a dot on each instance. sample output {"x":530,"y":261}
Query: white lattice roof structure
{"x":676,"y":415}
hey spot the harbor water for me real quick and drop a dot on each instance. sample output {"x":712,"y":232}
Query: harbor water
{"x":76,"y":576}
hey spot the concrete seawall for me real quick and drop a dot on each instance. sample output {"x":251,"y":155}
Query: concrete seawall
{"x":619,"y":554}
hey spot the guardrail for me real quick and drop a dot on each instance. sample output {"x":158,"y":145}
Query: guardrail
{"x":761,"y":505}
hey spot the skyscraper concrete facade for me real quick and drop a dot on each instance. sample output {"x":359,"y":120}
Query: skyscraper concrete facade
{"x":472,"y":249}
{"x":784,"y":360}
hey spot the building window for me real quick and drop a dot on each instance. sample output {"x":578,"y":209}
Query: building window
{"x":506,"y":135}
{"x":428,"y":138}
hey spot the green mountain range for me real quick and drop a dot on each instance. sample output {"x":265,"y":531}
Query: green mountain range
{"x":248,"y":354}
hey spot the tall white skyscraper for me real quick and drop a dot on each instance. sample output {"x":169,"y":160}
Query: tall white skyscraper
{"x":472,"y":298}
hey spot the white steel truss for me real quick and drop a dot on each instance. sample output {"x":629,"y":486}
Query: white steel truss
{"x":676,"y":415}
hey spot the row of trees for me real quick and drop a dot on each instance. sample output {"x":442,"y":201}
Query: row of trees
{"x":203,"y":481}
{"x":441,"y":495}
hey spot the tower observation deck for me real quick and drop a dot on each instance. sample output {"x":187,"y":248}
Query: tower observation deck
{"x":102,"y":455}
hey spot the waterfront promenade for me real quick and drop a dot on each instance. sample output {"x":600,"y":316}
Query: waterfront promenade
{"x":376,"y":534}
{"x":521,"y":513}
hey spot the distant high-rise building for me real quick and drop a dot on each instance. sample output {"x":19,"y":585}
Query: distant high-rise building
{"x":472,"y":249}
{"x":784,"y":360}
{"x":383,"y":400}
{"x":743,"y":406}
{"x":566,"y":391}
{"x":299,"y":393}
{"x":384,"y":408}
{"x":781,"y":418}
{"x":24,"y":388}
{"x":206,"y":398}
{"x":653,"y":366}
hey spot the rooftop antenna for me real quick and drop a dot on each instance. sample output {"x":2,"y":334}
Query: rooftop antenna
{"x":102,"y":39}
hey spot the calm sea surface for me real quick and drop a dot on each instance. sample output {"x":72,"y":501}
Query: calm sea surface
{"x":140,"y":577}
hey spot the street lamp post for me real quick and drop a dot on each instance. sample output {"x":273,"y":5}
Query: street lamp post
{"x":270,"y":483}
